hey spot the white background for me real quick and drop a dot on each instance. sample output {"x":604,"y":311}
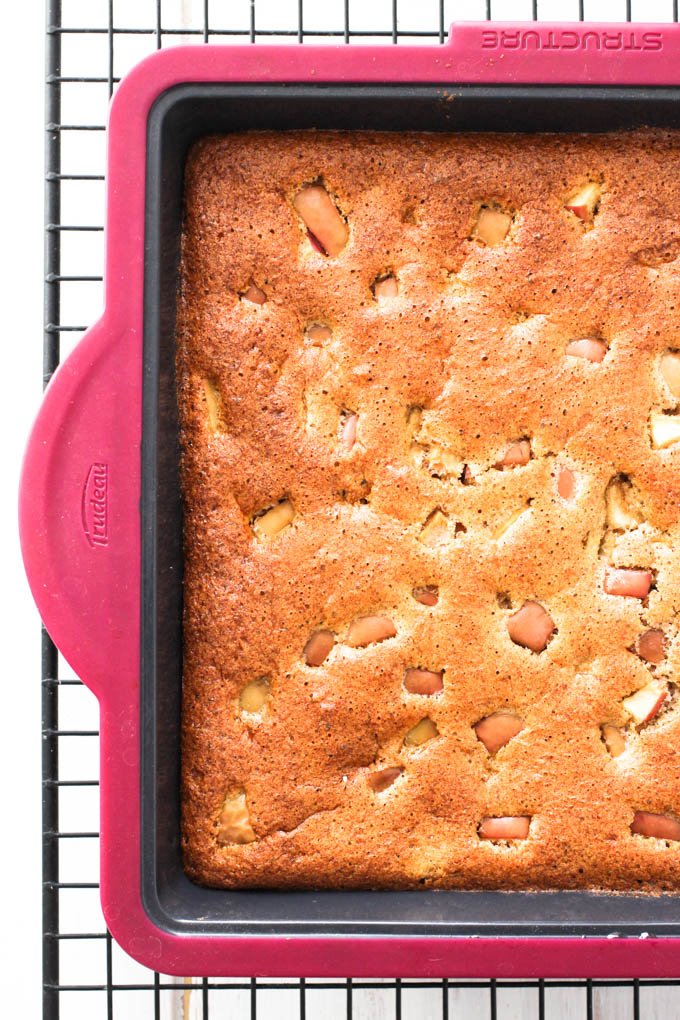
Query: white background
{"x":21,"y":177}
{"x":21,"y":223}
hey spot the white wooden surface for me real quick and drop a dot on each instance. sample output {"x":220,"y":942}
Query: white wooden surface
{"x":21,"y":183}
{"x":84,"y":961}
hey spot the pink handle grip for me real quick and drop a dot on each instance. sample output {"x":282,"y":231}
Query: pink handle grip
{"x":79,"y":508}
{"x":576,"y":53}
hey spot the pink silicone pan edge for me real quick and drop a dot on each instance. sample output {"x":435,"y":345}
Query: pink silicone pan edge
{"x":80,"y":490}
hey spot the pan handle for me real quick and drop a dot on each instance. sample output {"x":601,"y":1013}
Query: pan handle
{"x":573,"y":53}
{"x":79,"y":507}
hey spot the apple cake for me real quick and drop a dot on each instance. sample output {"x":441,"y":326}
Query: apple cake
{"x":429,"y":389}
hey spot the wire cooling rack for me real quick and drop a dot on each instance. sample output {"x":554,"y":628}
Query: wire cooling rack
{"x":90,"y":45}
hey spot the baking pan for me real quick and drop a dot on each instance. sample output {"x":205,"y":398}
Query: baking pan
{"x":101,"y":516}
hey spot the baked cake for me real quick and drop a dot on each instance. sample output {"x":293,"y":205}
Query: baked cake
{"x":428,"y":388}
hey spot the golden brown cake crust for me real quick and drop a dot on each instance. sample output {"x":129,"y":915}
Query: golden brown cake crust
{"x":475,"y":341}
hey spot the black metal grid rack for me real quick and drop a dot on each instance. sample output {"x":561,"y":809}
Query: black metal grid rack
{"x":85,"y":973}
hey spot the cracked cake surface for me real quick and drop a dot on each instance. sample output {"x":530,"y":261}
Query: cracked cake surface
{"x":428,"y":390}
